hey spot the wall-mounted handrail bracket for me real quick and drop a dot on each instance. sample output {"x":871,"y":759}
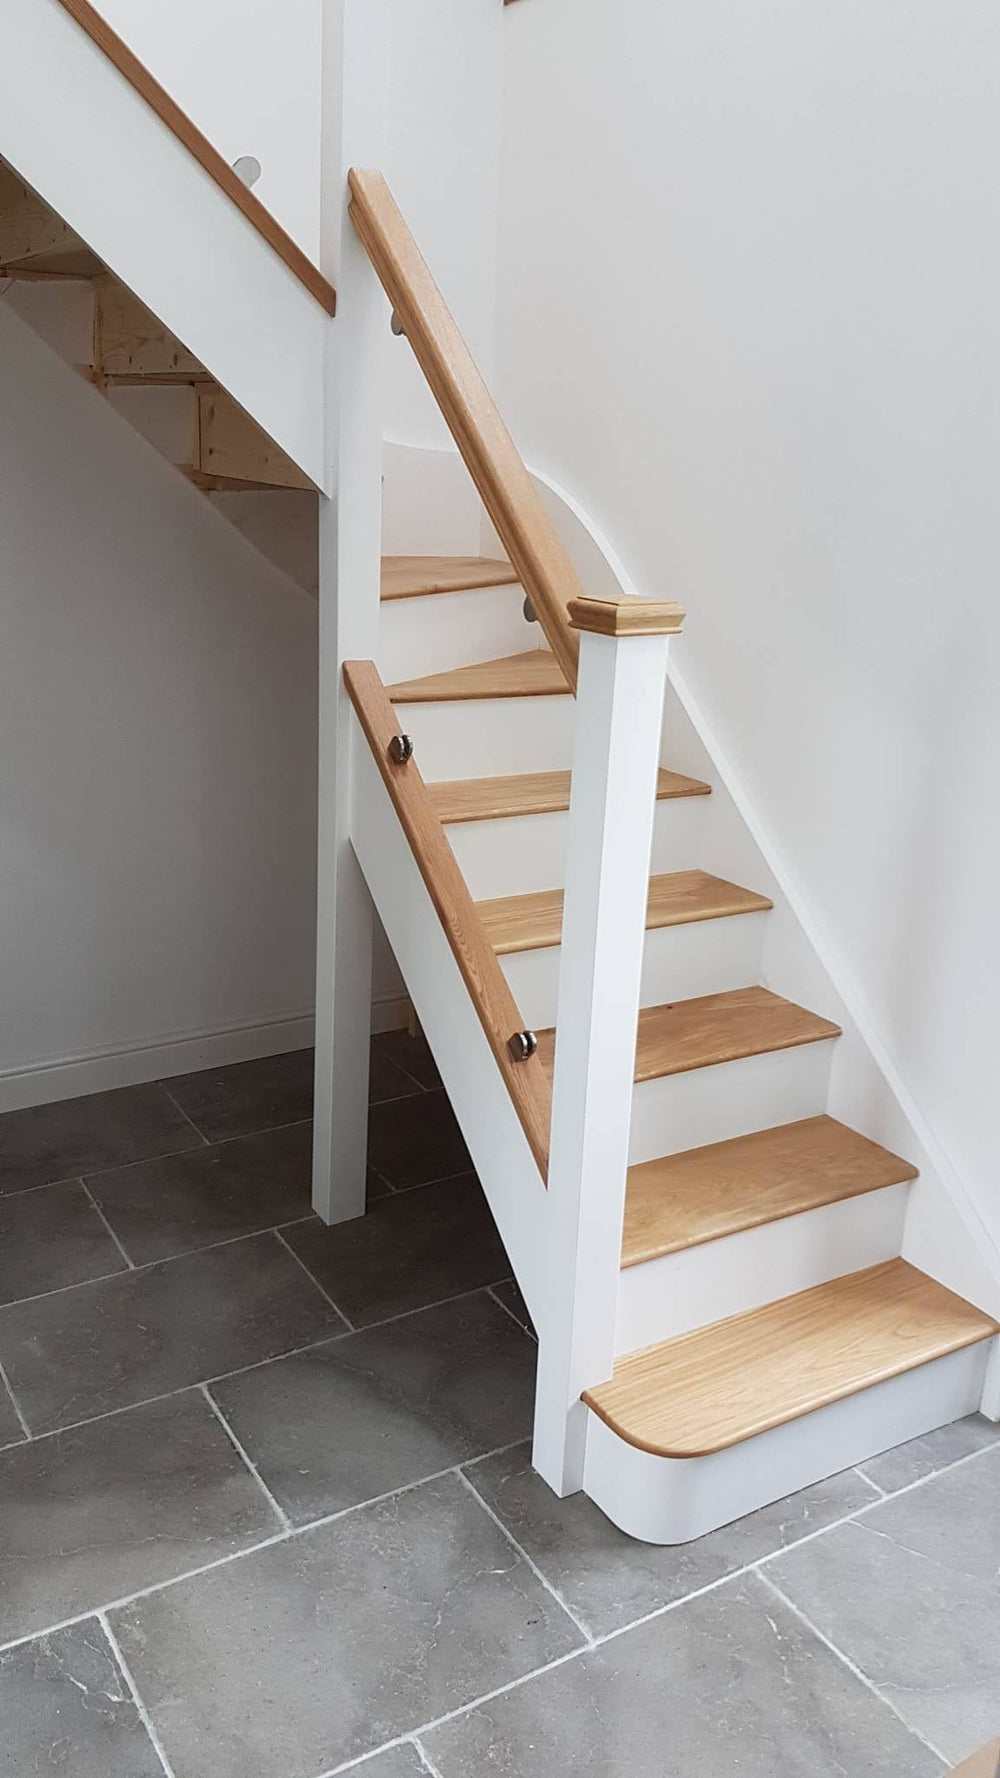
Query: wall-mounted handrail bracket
{"x":400,"y":749}
{"x":523,"y":1045}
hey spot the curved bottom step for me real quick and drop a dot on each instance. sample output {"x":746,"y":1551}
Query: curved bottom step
{"x":667,"y":1500}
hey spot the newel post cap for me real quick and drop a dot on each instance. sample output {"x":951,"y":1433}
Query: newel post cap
{"x":625,"y":616}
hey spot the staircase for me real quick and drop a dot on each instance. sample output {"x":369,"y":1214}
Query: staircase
{"x":718,"y":1260}
{"x":758,"y":1328}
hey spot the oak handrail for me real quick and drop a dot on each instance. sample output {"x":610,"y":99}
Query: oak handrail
{"x":526,"y":1081}
{"x":197,"y":144}
{"x":490,"y":454}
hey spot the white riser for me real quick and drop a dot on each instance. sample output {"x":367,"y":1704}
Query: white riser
{"x":673,"y":1500}
{"x":681,"y":1291}
{"x":445,"y":630}
{"x":730,"y":1099}
{"x":490,"y":737}
{"x":526,"y":852}
{"x":679,"y":963}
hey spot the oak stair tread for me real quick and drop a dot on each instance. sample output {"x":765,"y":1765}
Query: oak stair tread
{"x":676,"y":898}
{"x":689,"y":1034}
{"x":536,"y":674}
{"x":682,"y":1200}
{"x":531,"y":793}
{"x":411,"y":577}
{"x":708,"y":1390}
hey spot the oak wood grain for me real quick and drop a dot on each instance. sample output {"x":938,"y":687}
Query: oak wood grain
{"x":536,"y":674}
{"x":495,"y":1006}
{"x":684,"y":1199}
{"x":688,"y":1034}
{"x":532,"y":793}
{"x":708,"y":1390}
{"x":412,"y":577}
{"x":490,"y":455}
{"x":676,"y":898}
{"x":198,"y":145}
{"x":626,"y":616}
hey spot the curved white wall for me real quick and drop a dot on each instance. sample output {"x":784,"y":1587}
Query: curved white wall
{"x":746,"y":312}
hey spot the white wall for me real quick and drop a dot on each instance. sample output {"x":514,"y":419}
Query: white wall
{"x":249,"y":77}
{"x":157,"y":739}
{"x":443,"y":164}
{"x":747,"y":298}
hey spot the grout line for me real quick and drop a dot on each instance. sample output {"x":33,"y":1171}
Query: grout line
{"x":865,"y":1477}
{"x":425,"y":1757}
{"x":178,"y":1107}
{"x":852,"y":1667}
{"x":440,"y":1303}
{"x":278,"y":1511}
{"x":413,"y":1736}
{"x":147,"y":1265}
{"x":144,"y":1715}
{"x":314,"y":1281}
{"x":587,"y":1634}
{"x":401,"y":1191}
{"x":518,"y":1323}
{"x":128,"y":1261}
{"x":253,"y":1549}
{"x":15,"y":1404}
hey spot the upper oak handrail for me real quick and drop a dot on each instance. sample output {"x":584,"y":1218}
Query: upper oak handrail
{"x":491,"y":457}
{"x":526,"y":1081}
{"x":188,"y":133}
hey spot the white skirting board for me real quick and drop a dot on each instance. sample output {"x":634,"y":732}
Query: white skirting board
{"x":100,"y":1071}
{"x":674,"y":1500}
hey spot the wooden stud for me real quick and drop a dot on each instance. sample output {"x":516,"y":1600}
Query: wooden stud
{"x":234,"y":446}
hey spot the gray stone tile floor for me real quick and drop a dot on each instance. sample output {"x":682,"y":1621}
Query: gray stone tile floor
{"x":267,"y":1508}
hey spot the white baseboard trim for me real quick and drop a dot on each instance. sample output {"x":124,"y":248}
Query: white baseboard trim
{"x":99,"y":1071}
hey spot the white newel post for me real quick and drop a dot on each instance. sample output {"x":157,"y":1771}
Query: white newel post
{"x":355,"y":63}
{"x":623,"y":662}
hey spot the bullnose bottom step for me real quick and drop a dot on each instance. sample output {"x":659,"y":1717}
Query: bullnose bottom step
{"x":714,"y":1388}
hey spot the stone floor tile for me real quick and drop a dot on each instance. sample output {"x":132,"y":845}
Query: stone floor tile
{"x":65,"y":1707}
{"x":380,"y":1409}
{"x":159,"y":1209}
{"x":411,"y":1250}
{"x":324,"y":1647}
{"x":51,"y":1238}
{"x":10,"y":1426}
{"x":109,"y":1345}
{"x":247,"y":1096}
{"x":46,"y":1143}
{"x":412,"y":1054}
{"x":386,"y":1080}
{"x":105,"y":1509}
{"x":729,"y":1683}
{"x":510,"y":1297}
{"x":922,"y":1628}
{"x":412,"y":1141}
{"x":934,"y":1451}
{"x":609,"y":1580}
{"x":953,"y":1519}
{"x":395,"y":1762}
